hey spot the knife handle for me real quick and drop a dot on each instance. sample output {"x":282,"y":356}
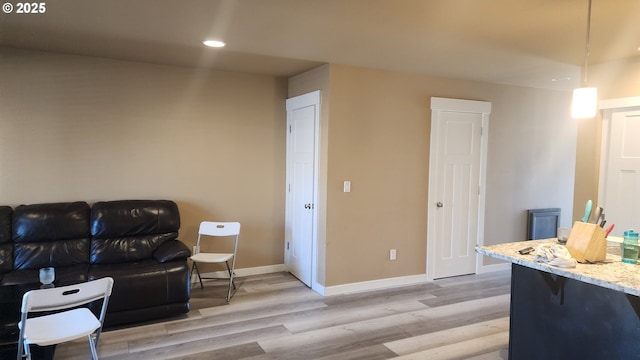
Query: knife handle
{"x":587,"y":211}
{"x":608,"y":231}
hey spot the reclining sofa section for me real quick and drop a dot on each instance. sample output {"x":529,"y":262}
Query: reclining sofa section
{"x":133,"y":241}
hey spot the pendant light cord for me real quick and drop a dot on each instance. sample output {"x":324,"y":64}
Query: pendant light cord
{"x":586,"y":47}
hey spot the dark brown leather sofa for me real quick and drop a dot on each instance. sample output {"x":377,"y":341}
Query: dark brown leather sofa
{"x":133,"y":241}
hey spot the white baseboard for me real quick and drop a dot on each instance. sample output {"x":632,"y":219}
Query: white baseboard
{"x":258,"y":270}
{"x":494,"y":267}
{"x":346,"y":288}
{"x":374,"y":285}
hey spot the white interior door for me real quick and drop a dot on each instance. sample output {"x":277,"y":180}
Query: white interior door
{"x":301,"y":221}
{"x":621,"y":198}
{"x":456,"y":190}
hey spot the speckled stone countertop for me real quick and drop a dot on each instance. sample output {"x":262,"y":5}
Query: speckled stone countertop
{"x":611,"y":273}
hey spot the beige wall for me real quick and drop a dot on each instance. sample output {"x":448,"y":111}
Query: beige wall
{"x":94,"y":129}
{"x":378,"y":138}
{"x":81,"y":128}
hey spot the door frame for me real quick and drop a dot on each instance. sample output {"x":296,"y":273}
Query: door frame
{"x":456,"y":105}
{"x":609,"y":108}
{"x":292,"y":103}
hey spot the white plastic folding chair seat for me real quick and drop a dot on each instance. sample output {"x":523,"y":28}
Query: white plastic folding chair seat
{"x":211,"y":257}
{"x":60,"y":327}
{"x":218,"y":230}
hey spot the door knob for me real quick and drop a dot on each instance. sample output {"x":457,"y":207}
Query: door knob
{"x":307,"y":206}
{"x":439,"y":204}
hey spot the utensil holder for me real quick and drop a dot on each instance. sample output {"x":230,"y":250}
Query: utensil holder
{"x":587,"y":243}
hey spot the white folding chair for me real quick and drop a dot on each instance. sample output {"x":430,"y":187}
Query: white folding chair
{"x":217,"y":230}
{"x":62,"y":326}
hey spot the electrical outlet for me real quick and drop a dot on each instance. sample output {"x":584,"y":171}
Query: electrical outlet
{"x":392,"y":254}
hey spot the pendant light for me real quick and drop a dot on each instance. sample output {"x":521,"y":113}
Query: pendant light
{"x":585,"y":99}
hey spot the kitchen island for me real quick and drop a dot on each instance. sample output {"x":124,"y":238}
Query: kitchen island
{"x":587,"y":312}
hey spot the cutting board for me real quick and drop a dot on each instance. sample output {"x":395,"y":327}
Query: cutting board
{"x":587,"y":242}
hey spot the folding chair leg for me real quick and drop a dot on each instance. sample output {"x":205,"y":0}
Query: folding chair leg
{"x":231,"y":282}
{"x":96,"y":338}
{"x":92,"y":346}
{"x":231,"y":274}
{"x":27,"y":351}
{"x":194,"y":266}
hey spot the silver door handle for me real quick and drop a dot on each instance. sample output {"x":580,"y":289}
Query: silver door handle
{"x":439,"y":204}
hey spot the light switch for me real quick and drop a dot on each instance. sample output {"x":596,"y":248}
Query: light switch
{"x":347,"y":186}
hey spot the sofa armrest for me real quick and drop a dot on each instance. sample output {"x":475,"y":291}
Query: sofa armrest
{"x":172,"y":250}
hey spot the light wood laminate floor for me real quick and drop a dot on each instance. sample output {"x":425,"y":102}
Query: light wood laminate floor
{"x":274,"y":316}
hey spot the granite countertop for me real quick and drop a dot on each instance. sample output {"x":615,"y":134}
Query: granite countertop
{"x":611,"y":273}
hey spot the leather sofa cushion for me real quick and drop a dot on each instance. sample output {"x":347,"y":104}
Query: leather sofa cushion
{"x":6,"y":245}
{"x":55,"y":253}
{"x":124,"y":218}
{"x":5,"y":224}
{"x":144,"y":283}
{"x":119,"y":250}
{"x":171,"y":251}
{"x":47,"y":222}
{"x":55,"y":234}
{"x":6,"y":258}
{"x":131,"y":230}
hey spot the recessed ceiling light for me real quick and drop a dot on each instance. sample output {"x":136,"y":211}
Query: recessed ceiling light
{"x":214,"y":43}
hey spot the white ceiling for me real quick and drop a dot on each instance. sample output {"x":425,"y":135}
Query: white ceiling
{"x":522,"y":42}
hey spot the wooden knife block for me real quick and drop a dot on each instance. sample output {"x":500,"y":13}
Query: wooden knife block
{"x":587,"y":242}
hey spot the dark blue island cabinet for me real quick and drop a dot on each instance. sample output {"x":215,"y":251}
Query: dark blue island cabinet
{"x":588,"y":312}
